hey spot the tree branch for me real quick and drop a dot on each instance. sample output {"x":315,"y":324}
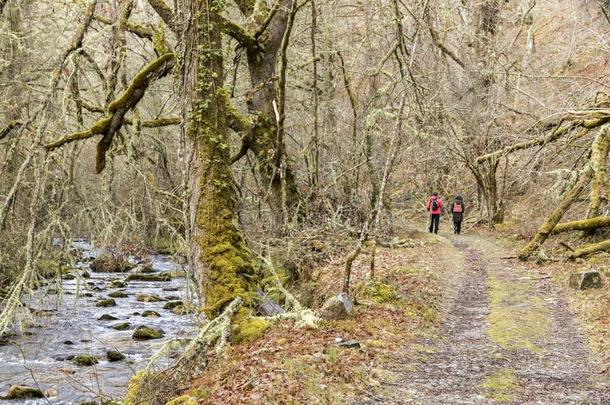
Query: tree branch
{"x":166,"y":13}
{"x":240,"y":34}
{"x":111,"y":123}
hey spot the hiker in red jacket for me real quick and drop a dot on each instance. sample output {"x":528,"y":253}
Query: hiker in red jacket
{"x":434,"y":207}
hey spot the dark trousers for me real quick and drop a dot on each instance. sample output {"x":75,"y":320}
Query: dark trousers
{"x":434,"y":221}
{"x":457,"y":227}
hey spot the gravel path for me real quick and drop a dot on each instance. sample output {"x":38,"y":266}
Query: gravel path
{"x":507,"y":337}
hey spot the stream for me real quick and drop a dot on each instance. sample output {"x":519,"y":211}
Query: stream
{"x":67,"y":324}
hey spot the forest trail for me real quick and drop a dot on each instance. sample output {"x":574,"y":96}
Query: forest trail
{"x":507,"y":336}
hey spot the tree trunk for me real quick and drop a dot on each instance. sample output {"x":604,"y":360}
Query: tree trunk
{"x":224,"y":264}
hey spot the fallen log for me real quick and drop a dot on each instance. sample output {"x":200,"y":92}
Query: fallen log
{"x":591,"y":248}
{"x":583,"y":225}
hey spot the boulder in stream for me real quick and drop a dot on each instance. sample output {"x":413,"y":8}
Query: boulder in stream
{"x":114,"y":355}
{"x":118,"y":283}
{"x":106,"y":303}
{"x":121,"y":326}
{"x":118,"y":294}
{"x":150,"y":314}
{"x":85,"y":360}
{"x":107,"y":317}
{"x":148,"y":298}
{"x":172,"y":304}
{"x":23,"y":392}
{"x":146,"y":333}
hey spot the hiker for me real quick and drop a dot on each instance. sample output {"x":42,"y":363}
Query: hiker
{"x":434,"y":207}
{"x":457,"y":210}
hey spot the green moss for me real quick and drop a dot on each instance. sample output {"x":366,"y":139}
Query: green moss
{"x":85,"y":360}
{"x":146,"y":333}
{"x":183,"y":400}
{"x":135,"y":389}
{"x":250,"y":329}
{"x":23,"y":392}
{"x":381,"y":292}
{"x":518,"y":319}
{"x":501,"y":386}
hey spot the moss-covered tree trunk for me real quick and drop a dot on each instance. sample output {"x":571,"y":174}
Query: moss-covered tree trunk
{"x":224,"y":264}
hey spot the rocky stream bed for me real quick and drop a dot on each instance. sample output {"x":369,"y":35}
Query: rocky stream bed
{"x":76,"y":350}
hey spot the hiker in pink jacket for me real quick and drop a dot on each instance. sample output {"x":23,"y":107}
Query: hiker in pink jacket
{"x":434,"y":207}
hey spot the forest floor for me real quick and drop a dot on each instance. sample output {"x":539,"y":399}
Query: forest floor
{"x":449,"y":320}
{"x":507,"y":335}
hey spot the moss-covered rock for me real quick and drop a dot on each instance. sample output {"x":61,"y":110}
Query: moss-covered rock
{"x":118,"y":283}
{"x":107,"y":317}
{"x":250,"y":329}
{"x":114,"y":355}
{"x":148,"y":298}
{"x":118,"y":294}
{"x":135,"y":387}
{"x":85,"y":360}
{"x":146,"y":333}
{"x":150,"y":314}
{"x":153,"y":277}
{"x":121,"y":326}
{"x":23,"y":392}
{"x":180,"y":310}
{"x":106,"y":303}
{"x":172,"y":304}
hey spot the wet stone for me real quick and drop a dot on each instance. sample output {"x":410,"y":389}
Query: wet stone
{"x":150,"y":277}
{"x":172,"y":304}
{"x":62,"y":357}
{"x":106,"y":303}
{"x":150,"y":314}
{"x":23,"y":392}
{"x":146,"y":333}
{"x":117,"y":284}
{"x":118,"y":294}
{"x":148,"y":298}
{"x":107,"y":317}
{"x":68,"y":342}
{"x":121,"y":326}
{"x":85,"y":360}
{"x":114,"y":355}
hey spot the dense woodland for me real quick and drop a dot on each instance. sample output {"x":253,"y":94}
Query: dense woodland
{"x":258,"y":140}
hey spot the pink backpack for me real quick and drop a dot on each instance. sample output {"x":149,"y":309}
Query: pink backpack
{"x":457,"y":207}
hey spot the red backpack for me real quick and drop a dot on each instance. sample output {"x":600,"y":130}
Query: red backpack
{"x":457,"y":207}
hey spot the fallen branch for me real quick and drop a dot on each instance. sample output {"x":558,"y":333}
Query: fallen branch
{"x":583,"y":225}
{"x":591,"y":248}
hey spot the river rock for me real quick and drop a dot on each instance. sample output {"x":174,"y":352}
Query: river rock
{"x":586,"y":279}
{"x":63,"y":357}
{"x":106,"y":303}
{"x":85,"y":360}
{"x":114,"y":355}
{"x":23,"y":392}
{"x":50,"y":393}
{"x":338,"y":307}
{"x":155,"y":277}
{"x":146,"y":332}
{"x":66,"y":370}
{"x":118,"y":294}
{"x":107,"y":317}
{"x":68,"y":276}
{"x":148,"y":298}
{"x":172,"y":304}
{"x":118,"y":284}
{"x":121,"y":326}
{"x":68,"y":342}
{"x":179,"y":310}
{"x":150,"y":314}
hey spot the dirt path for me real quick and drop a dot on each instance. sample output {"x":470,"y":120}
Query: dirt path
{"x":507,"y":337}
